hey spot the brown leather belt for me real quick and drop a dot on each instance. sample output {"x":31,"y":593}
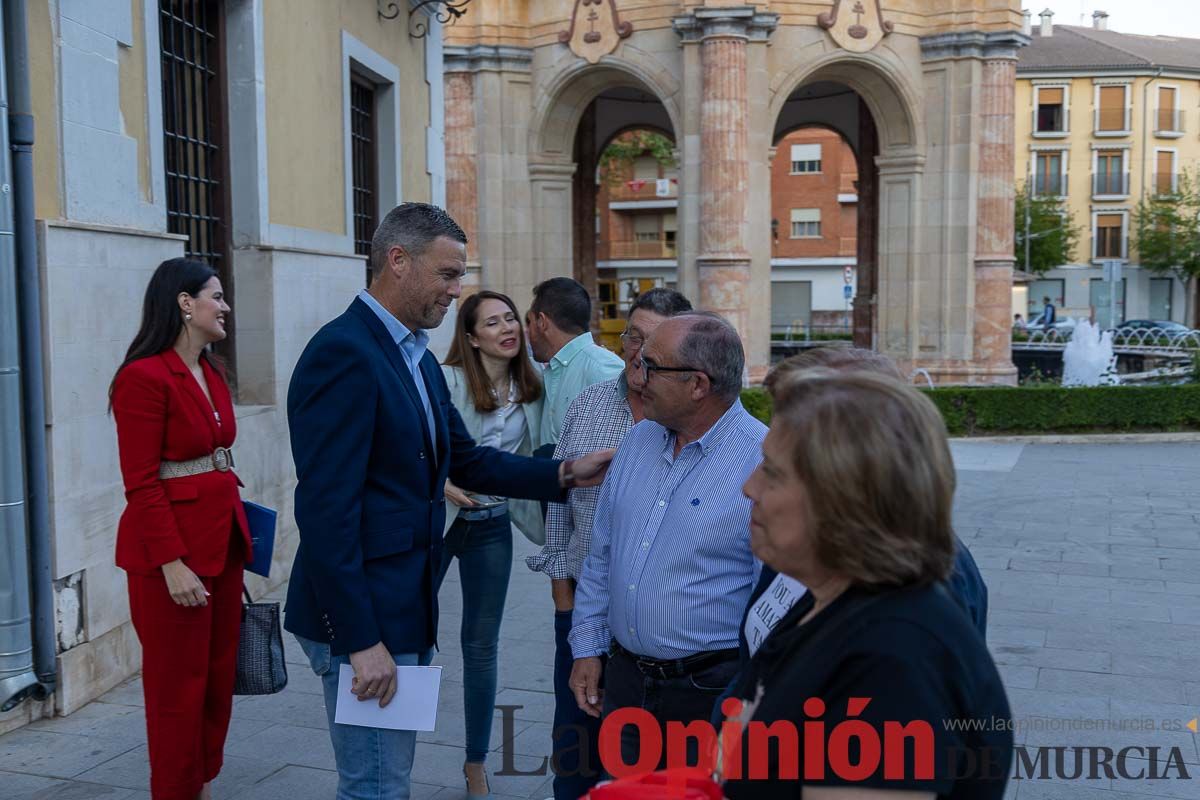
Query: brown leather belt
{"x":666,"y":669}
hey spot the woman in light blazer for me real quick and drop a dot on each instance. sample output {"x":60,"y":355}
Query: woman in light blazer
{"x":498,"y":393}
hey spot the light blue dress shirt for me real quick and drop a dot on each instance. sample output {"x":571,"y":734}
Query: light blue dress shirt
{"x":670,"y":570}
{"x":579,"y":364}
{"x":413,"y":345}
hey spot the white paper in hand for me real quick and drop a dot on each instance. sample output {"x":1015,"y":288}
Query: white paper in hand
{"x":414,"y":708}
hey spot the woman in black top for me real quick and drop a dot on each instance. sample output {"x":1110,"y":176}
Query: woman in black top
{"x":878,"y":685}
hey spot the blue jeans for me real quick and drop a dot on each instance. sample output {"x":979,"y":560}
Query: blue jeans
{"x":484,"y":551}
{"x":576,"y":736}
{"x":372,"y":763}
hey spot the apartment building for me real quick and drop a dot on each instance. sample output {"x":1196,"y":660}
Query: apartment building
{"x":1104,"y":119}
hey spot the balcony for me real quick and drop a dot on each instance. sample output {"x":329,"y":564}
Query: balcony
{"x":1168,"y":123}
{"x":1164,"y":183}
{"x":1111,"y":122}
{"x":640,"y":193}
{"x":1050,"y":185}
{"x":637,"y":249}
{"x":1110,"y":184}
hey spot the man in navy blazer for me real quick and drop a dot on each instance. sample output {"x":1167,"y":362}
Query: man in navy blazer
{"x":374,"y":437}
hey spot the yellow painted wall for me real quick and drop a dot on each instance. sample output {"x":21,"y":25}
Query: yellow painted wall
{"x":43,"y":80}
{"x":302,"y":44}
{"x":132,"y":71}
{"x":1143,"y":142}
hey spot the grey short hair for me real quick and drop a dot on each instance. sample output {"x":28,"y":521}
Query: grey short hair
{"x":711,"y":344}
{"x":412,"y":226}
{"x":664,"y":302}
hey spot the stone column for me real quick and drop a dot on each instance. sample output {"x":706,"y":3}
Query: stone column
{"x":551,"y":184}
{"x":723,"y":262}
{"x":488,"y":190}
{"x":583,"y":206}
{"x":462,"y":181}
{"x":994,"y":231}
{"x":867,"y":231}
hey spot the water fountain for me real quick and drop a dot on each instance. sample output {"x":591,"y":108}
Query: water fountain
{"x":1088,"y":359}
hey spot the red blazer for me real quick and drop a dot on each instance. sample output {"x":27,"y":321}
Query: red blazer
{"x":163,"y":415}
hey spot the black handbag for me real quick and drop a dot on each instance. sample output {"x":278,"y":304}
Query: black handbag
{"x":261,"y":668}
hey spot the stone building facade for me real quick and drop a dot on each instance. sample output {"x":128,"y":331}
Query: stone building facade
{"x":288,"y":86}
{"x":922,"y":90}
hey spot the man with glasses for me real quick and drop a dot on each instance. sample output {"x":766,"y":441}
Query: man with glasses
{"x":603,"y":413}
{"x":670,"y":570}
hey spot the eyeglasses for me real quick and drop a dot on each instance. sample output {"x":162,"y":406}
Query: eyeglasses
{"x":632,"y":340}
{"x":649,"y":367}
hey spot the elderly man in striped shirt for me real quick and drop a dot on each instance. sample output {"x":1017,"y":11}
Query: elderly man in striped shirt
{"x":670,"y":570}
{"x":597,"y":419}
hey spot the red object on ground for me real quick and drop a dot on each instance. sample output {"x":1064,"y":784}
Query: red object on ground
{"x":678,"y":784}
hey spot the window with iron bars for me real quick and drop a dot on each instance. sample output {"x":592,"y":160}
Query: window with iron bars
{"x":191,"y":41}
{"x":364,"y":182}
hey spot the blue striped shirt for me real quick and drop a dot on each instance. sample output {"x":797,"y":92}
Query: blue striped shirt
{"x":670,"y":569}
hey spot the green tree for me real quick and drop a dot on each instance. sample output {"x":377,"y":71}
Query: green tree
{"x":619,"y":155}
{"x":1045,"y":231}
{"x":1167,"y":233}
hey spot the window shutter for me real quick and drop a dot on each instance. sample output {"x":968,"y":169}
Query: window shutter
{"x":806,"y":152}
{"x":1050,"y":95}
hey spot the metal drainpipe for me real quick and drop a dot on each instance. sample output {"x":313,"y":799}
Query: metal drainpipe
{"x":17,"y":678}
{"x":29,"y":308}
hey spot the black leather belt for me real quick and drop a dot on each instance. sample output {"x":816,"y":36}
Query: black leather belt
{"x":665,"y":669}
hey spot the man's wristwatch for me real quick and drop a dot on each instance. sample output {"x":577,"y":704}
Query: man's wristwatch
{"x":566,"y":478}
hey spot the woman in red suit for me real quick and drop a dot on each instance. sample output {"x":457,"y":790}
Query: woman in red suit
{"x":183,"y":537}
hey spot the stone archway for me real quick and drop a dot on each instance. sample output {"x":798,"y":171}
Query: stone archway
{"x":833,"y":195}
{"x":938,"y":90}
{"x":562,"y":102}
{"x":563,"y":156}
{"x":880,"y":122}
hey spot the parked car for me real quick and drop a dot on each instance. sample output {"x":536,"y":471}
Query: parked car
{"x":1166,"y":326}
{"x":1063,"y":326}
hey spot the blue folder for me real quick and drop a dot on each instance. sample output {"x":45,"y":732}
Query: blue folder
{"x":262,"y":537}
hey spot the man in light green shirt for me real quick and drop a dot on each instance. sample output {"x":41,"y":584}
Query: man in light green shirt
{"x":558,"y":324}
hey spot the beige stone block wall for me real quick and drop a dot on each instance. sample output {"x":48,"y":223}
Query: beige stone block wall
{"x":94,"y":280}
{"x":290,"y":296}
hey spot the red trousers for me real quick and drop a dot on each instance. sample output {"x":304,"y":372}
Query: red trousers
{"x":189,"y":659}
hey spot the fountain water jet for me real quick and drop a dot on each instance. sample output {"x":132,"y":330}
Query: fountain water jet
{"x":1088,"y":359}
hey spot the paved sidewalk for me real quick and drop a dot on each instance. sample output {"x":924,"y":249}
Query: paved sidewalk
{"x":1092,"y":557}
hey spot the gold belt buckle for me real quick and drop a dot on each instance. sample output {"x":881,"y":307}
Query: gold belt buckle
{"x":222,"y":459}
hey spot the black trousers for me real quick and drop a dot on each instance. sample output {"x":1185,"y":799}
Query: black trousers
{"x":685,"y":699}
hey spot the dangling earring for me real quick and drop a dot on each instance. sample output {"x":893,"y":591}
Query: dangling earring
{"x":187,"y":317}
